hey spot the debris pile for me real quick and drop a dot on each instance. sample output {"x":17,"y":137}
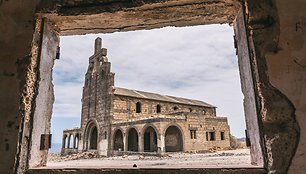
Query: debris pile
{"x":76,"y":156}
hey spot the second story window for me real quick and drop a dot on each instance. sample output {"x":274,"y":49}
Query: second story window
{"x":138,"y":107}
{"x":175,"y":108}
{"x":158,"y":108}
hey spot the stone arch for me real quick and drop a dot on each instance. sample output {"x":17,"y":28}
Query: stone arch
{"x":173,"y":138}
{"x":76,"y":141}
{"x":92,"y":135}
{"x":64,"y":141}
{"x":118,"y":140}
{"x":70,"y":141}
{"x":149,"y":137}
{"x":67,"y":141}
{"x":132,"y":139}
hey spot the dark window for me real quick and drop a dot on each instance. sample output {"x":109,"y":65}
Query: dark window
{"x":193,"y":134}
{"x":175,"y":108}
{"x":158,"y":109}
{"x":138,"y":107}
{"x":222,"y":135}
{"x":105,"y":135}
{"x":212,"y":136}
{"x":206,"y":136}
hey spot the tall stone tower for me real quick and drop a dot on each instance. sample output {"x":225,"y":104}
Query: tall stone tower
{"x":96,"y":101}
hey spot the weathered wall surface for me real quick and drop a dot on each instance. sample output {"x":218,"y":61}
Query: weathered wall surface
{"x":287,"y":69}
{"x":17,"y":68}
{"x":125,"y":108}
{"x":266,"y":23}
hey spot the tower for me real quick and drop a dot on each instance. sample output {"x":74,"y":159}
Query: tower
{"x":97,"y":101}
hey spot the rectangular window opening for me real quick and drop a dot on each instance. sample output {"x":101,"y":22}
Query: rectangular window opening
{"x":222,"y":136}
{"x":193,"y":134}
{"x":212,"y":136}
{"x":98,"y":118}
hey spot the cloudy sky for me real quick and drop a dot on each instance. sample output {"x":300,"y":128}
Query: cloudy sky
{"x":192,"y":62}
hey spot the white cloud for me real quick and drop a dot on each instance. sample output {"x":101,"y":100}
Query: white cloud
{"x":193,"y":62}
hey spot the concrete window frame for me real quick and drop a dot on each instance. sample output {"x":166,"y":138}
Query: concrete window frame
{"x":48,"y":29}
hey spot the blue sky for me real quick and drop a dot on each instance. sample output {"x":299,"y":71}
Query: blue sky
{"x":192,"y":62}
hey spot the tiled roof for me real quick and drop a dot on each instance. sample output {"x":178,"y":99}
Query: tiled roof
{"x":159,"y":97}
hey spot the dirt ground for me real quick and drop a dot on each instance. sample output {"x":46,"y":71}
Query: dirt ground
{"x":222,"y":159}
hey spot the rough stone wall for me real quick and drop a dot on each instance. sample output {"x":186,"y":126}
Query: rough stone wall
{"x":125,"y":108}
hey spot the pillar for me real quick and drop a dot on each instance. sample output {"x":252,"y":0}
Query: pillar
{"x":160,"y":144}
{"x":68,"y":144}
{"x":140,"y":143}
{"x":125,"y":143}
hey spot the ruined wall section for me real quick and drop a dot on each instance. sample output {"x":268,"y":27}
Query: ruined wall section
{"x":125,"y":108}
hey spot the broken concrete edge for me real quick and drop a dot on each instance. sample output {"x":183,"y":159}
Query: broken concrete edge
{"x":69,"y":21}
{"x":27,"y":102}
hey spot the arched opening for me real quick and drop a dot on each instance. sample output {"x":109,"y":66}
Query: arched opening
{"x":158,"y":108}
{"x":76,"y":141}
{"x":150,"y":140}
{"x":133,"y":140}
{"x":71,"y":140}
{"x":93,"y":139}
{"x":118,"y":140}
{"x":138,"y":107}
{"x":173,"y":139}
{"x":175,"y":108}
{"x":64,"y":141}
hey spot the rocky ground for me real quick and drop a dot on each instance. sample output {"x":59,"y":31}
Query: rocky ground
{"x":230,"y":158}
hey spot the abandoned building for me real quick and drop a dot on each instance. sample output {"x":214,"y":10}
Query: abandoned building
{"x":116,"y":119}
{"x":269,"y":38}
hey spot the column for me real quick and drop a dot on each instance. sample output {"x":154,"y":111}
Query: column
{"x":140,"y":143}
{"x":125,"y":143}
{"x":161,"y":144}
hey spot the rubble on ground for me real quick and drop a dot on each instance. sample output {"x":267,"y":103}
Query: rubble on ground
{"x":83,"y":155}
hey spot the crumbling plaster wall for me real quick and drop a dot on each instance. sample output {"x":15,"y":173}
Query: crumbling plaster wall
{"x":271,"y":27}
{"x":287,"y":70}
{"x":17,"y":76}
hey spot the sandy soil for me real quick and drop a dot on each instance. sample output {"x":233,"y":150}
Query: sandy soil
{"x":223,"y":159}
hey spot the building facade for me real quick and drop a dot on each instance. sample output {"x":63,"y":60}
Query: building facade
{"x":117,"y":120}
